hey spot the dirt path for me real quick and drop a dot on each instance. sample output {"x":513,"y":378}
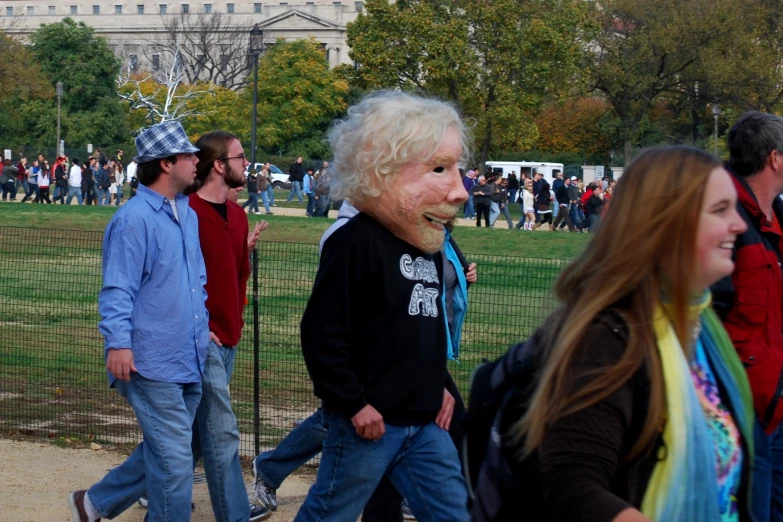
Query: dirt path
{"x":35,"y":479}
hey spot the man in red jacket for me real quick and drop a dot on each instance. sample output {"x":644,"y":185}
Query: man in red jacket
{"x":223,"y":232}
{"x":750,"y":302}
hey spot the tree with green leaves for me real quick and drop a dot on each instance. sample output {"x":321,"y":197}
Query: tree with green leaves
{"x":498,"y":60}
{"x":70,"y":52}
{"x":650,"y":50}
{"x":298,"y":96}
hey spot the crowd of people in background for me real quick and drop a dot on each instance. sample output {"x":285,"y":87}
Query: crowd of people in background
{"x":566,"y":203}
{"x":95,"y":181}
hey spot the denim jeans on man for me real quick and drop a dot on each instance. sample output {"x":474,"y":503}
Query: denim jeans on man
{"x":74,"y":191}
{"x":252,"y":202}
{"x":494,"y":212}
{"x":270,"y":192}
{"x":296,"y":188}
{"x":421,"y":462}
{"x":767,"y":493}
{"x":470,"y":212}
{"x":162,"y":465}
{"x":311,"y":203}
{"x":298,"y":447}
{"x":265,"y":200}
{"x":216,"y":438}
{"x":100,"y":195}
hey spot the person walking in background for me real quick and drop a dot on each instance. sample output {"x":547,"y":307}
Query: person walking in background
{"x":32,"y":182}
{"x":504,"y":202}
{"x":543,"y":203}
{"x":296,"y":176}
{"x":75,"y":183}
{"x":595,"y":205}
{"x":640,"y":410}
{"x":562,"y":200}
{"x":21,"y":175}
{"x":60,"y":179}
{"x":102,"y":184}
{"x":44,"y":181}
{"x":482,"y":201}
{"x":556,"y":184}
{"x":495,"y":197}
{"x":7,"y":180}
{"x":512,"y":187}
{"x":88,"y":184}
{"x":252,"y":192}
{"x":155,"y":325}
{"x":309,"y":190}
{"x":323,"y":188}
{"x":469,"y":181}
{"x":119,"y":181}
{"x":750,"y":300}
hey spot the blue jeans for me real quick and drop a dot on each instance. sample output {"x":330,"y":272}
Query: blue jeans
{"x":577,"y":216}
{"x":265,"y":199}
{"x":421,"y":462}
{"x":555,"y":209}
{"x":296,"y":188}
{"x":162,"y":465}
{"x":470,"y":212}
{"x":767,"y":494}
{"x":74,"y":191}
{"x":216,"y":438}
{"x":494,"y":212}
{"x":102,"y":196}
{"x":270,"y":192}
{"x":299,"y":446}
{"x":8,"y":190}
{"x":512,"y":196}
{"x":252,"y":201}
{"x":311,"y":201}
{"x":118,"y":196}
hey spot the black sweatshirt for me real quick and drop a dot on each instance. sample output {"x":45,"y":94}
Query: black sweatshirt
{"x":373,"y":331}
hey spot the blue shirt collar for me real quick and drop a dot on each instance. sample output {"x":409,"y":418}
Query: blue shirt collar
{"x":154,"y":199}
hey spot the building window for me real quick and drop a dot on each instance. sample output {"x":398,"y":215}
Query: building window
{"x":359,"y":7}
{"x":30,"y":10}
{"x":118,"y":9}
{"x":185,"y":8}
{"x":208,"y":8}
{"x":134,"y":62}
{"x":51,"y":10}
{"x":74,"y":10}
{"x":257,"y":8}
{"x":155,"y":62}
{"x":230,"y":8}
{"x":9,"y":11}
{"x":164,"y":8}
{"x":337,"y":4}
{"x":96,"y":9}
{"x":283,"y":4}
{"x":140,"y":9}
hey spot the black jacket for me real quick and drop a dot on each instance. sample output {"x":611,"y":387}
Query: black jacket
{"x":484,"y":197}
{"x":296,"y":172}
{"x":561,"y":193}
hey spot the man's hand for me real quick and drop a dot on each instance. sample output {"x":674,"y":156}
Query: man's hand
{"x":443,"y":420}
{"x":214,"y":338}
{"x":471,"y":274}
{"x":120,"y":363}
{"x":252,"y":236}
{"x":369,"y":423}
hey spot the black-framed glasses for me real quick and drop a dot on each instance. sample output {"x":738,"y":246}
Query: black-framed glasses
{"x":241,"y":156}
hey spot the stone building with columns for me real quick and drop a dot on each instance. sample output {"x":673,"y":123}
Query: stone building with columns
{"x":138,"y":29}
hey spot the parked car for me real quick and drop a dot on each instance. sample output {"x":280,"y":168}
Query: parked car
{"x":279,"y":178}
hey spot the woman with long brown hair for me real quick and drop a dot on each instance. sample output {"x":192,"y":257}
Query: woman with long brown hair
{"x":640,"y":409}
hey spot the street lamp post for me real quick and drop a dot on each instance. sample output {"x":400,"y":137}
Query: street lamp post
{"x":59,"y":91}
{"x":256,"y":47}
{"x":716,"y":114}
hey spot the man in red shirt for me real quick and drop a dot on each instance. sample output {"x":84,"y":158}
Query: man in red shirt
{"x":223,"y":232}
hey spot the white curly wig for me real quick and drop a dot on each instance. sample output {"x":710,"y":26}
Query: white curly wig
{"x":383,"y":133}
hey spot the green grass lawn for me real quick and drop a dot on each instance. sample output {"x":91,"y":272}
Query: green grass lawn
{"x":498,"y":241}
{"x":52,"y":380}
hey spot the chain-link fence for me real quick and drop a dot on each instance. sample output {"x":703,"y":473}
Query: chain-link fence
{"x":52,"y":377}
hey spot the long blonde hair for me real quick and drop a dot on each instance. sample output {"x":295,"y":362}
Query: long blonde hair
{"x":647,"y":237}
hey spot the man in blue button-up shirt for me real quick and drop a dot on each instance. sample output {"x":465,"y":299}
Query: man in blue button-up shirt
{"x":155,"y":323}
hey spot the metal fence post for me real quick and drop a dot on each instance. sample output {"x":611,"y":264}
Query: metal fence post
{"x":256,"y":354}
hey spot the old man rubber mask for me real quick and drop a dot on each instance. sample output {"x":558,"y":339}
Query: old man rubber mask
{"x":424,"y":195}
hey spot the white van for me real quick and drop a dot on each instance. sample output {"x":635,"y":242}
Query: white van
{"x":526,"y":167}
